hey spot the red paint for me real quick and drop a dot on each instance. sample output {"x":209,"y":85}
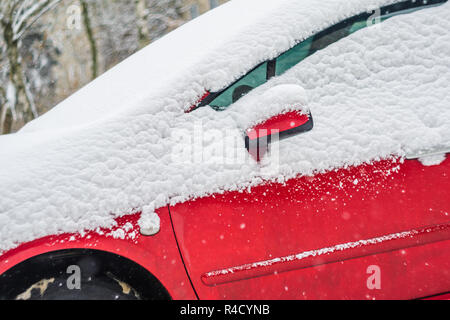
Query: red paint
{"x":279,"y":123}
{"x":276,"y":221}
{"x":307,"y":213}
{"x":194,"y":106}
{"x":339,"y":252}
{"x":158,"y":254}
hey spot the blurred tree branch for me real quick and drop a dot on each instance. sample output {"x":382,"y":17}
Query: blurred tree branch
{"x":16,"y":17}
{"x":90,"y":37}
{"x":142,"y":24}
{"x":40,"y":67}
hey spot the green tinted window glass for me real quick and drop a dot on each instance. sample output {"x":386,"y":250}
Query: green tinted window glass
{"x":293,"y":56}
{"x":307,"y":47}
{"x":299,"y":52}
{"x":329,"y":36}
{"x":357,"y":26}
{"x":250,"y":81}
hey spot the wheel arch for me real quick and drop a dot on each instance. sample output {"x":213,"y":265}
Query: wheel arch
{"x":20,"y":277}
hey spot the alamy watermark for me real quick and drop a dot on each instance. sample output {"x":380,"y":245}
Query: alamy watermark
{"x":74,"y":280}
{"x":374,"y":280}
{"x":73,"y":21}
{"x":375,"y":18}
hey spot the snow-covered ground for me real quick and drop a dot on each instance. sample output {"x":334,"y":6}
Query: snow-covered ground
{"x":109,"y":149}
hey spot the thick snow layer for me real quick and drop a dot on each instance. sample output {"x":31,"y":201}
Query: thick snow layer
{"x":273,"y":101}
{"x":124,"y":143}
{"x":206,"y":53}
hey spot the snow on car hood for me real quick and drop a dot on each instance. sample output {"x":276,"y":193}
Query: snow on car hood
{"x":123,"y":143}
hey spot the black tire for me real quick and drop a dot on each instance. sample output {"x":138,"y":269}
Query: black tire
{"x":102,"y":276}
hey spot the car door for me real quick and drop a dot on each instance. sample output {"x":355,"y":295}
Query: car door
{"x":323,"y":236}
{"x":375,"y":230}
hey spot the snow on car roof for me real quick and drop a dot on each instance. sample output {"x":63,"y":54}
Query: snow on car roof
{"x":206,"y":53}
{"x":123,"y":143}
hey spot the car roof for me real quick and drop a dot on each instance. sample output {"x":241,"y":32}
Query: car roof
{"x":206,"y":53}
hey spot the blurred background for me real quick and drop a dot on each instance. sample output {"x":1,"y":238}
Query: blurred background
{"x":51,"y":48}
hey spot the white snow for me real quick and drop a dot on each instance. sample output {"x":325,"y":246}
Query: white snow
{"x":149,"y":222}
{"x":432,"y":160}
{"x":207,"y":53}
{"x":11,"y":97}
{"x":276,"y":100}
{"x":109,"y":149}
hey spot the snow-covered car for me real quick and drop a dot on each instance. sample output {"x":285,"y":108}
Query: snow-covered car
{"x":265,"y":150}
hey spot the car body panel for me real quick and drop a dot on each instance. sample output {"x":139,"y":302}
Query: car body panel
{"x":236,"y":229}
{"x":158,"y":254}
{"x":223,"y":231}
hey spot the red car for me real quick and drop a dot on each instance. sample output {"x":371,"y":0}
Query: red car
{"x":377,"y":229}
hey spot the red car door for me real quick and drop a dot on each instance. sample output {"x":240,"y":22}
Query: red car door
{"x":378,"y":230}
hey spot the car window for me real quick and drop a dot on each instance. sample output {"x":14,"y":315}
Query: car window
{"x":260,"y":74}
{"x":253,"y":79}
{"x":293,"y":56}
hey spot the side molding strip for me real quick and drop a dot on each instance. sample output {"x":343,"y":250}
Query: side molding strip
{"x":339,"y":252}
